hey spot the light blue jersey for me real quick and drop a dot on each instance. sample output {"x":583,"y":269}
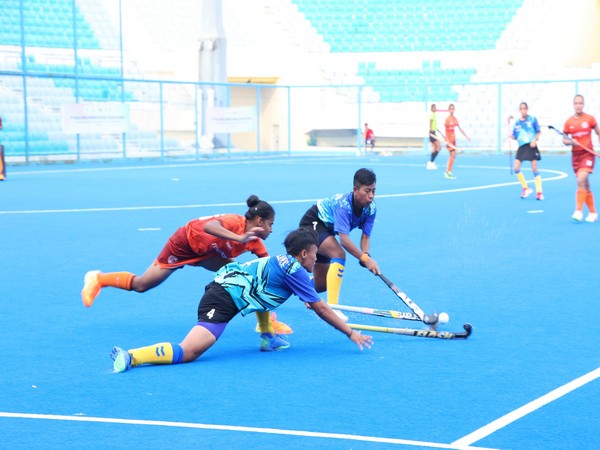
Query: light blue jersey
{"x":524,"y":131}
{"x":265,"y":283}
{"x":337,"y":214}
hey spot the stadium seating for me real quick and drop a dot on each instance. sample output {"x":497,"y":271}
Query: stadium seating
{"x":392,"y":26}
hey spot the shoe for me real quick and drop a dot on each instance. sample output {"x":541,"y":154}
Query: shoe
{"x":577,"y":216}
{"x":121,"y":358}
{"x":449,"y":176}
{"x":278,"y":327}
{"x":539,"y":196}
{"x":341,"y":315}
{"x":592,"y":217}
{"x":272,"y":342}
{"x":431,"y":165}
{"x":91,"y":287}
{"x":526,"y":192}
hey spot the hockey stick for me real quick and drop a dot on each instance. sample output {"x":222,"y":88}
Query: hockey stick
{"x":377,"y":312}
{"x":574,"y":141}
{"x":418,"y":333}
{"x":510,"y":154}
{"x":427,"y":319}
{"x":444,"y":141}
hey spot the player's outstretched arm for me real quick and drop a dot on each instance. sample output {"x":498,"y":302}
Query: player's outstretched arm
{"x":215,"y":228}
{"x":326,"y":313}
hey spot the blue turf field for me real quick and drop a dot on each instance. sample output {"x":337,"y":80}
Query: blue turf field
{"x":519,"y":270}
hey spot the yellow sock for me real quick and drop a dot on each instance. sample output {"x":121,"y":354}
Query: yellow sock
{"x":264,"y":322}
{"x":334,"y":280}
{"x":162,"y":353}
{"x":521,"y":179}
{"x":538,"y":183}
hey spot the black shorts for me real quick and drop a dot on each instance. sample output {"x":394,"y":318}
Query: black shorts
{"x":528,"y":153}
{"x":216,"y":305}
{"x":432,"y":137}
{"x":311,"y":220}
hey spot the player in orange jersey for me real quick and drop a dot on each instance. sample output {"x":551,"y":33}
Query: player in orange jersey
{"x":209,"y":242}
{"x":451,"y":124}
{"x":579,"y":127}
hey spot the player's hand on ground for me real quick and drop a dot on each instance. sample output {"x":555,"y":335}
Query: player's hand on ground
{"x":362,"y":340}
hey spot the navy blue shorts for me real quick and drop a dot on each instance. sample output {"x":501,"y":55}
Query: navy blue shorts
{"x":311,"y":220}
{"x":528,"y":153}
{"x":216,"y":305}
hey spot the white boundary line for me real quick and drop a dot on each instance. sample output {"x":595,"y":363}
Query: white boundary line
{"x":202,"y":426}
{"x":530,"y":407}
{"x":558,"y":176}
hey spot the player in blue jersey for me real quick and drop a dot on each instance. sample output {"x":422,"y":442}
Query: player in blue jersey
{"x":337,"y":216}
{"x":527,"y":132}
{"x":259,"y":285}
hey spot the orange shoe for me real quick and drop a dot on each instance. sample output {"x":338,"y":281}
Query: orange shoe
{"x":91,"y":287}
{"x":278,"y":327}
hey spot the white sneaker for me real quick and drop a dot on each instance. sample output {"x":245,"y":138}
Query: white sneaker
{"x":430,"y":166}
{"x":341,"y":315}
{"x":577,"y":216}
{"x":592,"y":217}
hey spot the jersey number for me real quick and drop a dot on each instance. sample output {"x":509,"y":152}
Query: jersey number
{"x":211,"y":313}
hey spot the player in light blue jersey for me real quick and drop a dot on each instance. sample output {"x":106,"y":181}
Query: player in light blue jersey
{"x":527,"y":132}
{"x":259,"y":285}
{"x":337,"y":216}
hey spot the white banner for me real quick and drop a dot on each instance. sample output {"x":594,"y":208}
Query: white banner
{"x":96,"y":117}
{"x":230,"y":120}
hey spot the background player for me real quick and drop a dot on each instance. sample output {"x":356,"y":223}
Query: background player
{"x":259,"y":285}
{"x":435,"y":142}
{"x":579,"y":127}
{"x":527,"y":131}
{"x":369,"y":137}
{"x":451,"y":124}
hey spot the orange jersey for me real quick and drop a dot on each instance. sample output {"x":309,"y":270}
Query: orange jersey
{"x":190,"y":244}
{"x":580,"y":128}
{"x":450,"y":124}
{"x":204,"y":244}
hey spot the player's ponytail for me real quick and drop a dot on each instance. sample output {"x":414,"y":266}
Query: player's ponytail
{"x":258,"y":207}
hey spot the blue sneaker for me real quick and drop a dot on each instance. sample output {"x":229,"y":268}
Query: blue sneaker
{"x":121,"y":358}
{"x":272,"y":342}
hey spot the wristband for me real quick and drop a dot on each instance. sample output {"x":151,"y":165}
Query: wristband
{"x":351,"y":331}
{"x":364,"y":257}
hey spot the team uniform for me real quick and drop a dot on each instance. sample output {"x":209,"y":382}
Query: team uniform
{"x":450,"y":125}
{"x":524,"y":131}
{"x":580,"y":128}
{"x":433,"y":127}
{"x":334,"y":215}
{"x":259,"y":285}
{"x":190,"y":244}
